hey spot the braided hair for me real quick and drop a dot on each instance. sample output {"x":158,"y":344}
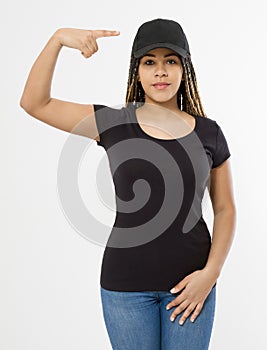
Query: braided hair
{"x":188,"y":98}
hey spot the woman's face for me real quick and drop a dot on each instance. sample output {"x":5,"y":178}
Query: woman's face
{"x":160,"y":65}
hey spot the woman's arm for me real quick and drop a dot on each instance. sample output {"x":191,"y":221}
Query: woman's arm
{"x":36,"y":99}
{"x":196,"y":286}
{"x":37,"y":88}
{"x":222,"y":198}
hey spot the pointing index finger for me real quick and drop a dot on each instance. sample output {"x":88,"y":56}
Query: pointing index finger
{"x":103,"y":32}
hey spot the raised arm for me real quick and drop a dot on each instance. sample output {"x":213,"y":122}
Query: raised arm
{"x":36,"y":99}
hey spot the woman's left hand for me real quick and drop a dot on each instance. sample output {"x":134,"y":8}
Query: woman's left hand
{"x":197,"y":287}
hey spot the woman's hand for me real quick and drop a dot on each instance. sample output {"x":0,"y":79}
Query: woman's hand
{"x":82,"y":39}
{"x":197,"y":287}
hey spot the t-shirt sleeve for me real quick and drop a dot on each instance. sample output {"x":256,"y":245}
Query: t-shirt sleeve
{"x":222,"y":151}
{"x":99,"y":122}
{"x":107,"y":120}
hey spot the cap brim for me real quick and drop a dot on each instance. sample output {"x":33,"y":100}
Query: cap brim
{"x":173,"y":47}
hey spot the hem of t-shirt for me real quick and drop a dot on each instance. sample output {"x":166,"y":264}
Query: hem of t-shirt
{"x":220,"y":163}
{"x":138,"y":289}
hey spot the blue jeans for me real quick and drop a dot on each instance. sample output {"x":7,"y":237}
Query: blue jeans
{"x":140,"y":321}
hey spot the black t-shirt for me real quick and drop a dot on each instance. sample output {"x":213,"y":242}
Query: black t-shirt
{"x":159,"y":235}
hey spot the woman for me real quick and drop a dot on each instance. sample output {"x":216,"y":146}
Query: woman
{"x":159,"y":261}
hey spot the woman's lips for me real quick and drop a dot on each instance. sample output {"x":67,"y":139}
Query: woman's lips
{"x":161,"y":86}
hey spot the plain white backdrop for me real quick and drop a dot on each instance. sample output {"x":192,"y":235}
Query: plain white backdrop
{"x":49,"y":288}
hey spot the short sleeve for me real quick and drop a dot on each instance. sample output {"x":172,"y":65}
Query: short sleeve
{"x":99,"y":122}
{"x":107,"y":121}
{"x":222,"y":151}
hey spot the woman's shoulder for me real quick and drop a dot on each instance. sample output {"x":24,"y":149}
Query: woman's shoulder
{"x":109,"y":112}
{"x":205,"y":119}
{"x":204,"y":124}
{"x":107,"y":108}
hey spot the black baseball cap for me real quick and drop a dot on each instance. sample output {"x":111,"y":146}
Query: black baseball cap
{"x":160,"y":33}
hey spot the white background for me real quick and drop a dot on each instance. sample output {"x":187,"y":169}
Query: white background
{"x":49,"y":273}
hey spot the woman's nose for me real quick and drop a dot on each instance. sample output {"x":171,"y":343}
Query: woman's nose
{"x":160,"y":73}
{"x":160,"y":70}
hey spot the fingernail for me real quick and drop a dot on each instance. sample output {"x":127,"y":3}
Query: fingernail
{"x":167,"y":307}
{"x":172,"y":319}
{"x":172,"y":290}
{"x":181,"y":322}
{"x":192,"y":320}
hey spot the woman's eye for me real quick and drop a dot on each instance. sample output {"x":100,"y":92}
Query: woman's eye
{"x":172,"y":61}
{"x":153,"y":61}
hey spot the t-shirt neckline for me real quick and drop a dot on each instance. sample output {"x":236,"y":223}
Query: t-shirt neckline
{"x":164,"y":140}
